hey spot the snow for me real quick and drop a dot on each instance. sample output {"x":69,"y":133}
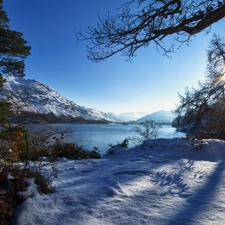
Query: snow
{"x":37,"y":97}
{"x":31,"y":190}
{"x":159,"y":116}
{"x":162,"y":182}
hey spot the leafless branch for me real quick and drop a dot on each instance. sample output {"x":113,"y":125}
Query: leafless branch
{"x":153,"y":21}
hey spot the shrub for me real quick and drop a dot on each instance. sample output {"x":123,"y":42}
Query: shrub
{"x":72,"y":151}
{"x":18,"y":145}
{"x":124,"y":145}
{"x":43,"y":181}
{"x":13,"y":142}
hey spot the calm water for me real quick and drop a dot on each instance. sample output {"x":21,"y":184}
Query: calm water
{"x":101,"y":135}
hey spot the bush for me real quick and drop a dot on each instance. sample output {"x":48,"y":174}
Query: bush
{"x":18,"y":145}
{"x":72,"y":151}
{"x":13,"y":143}
{"x":42,"y":180}
{"x":124,"y":145}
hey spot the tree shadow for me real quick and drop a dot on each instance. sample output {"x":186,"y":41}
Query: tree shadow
{"x":102,"y":183}
{"x":198,"y":203}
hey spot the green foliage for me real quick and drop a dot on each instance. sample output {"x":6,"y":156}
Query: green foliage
{"x":73,"y":152}
{"x":13,"y":51}
{"x":4,"y":20}
{"x":5,"y":112}
{"x":43,"y":181}
{"x":13,"y":133}
{"x":13,"y":48}
{"x":2,"y":81}
{"x":15,"y":143}
{"x":52,"y":118}
{"x":147,"y":130}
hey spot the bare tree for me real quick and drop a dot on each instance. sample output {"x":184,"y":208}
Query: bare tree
{"x":216,"y":59}
{"x":205,"y":106}
{"x":140,"y":22}
{"x":147,"y":130}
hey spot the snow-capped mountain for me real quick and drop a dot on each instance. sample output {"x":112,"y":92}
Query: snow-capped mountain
{"x":161,"y":116}
{"x":131,"y":116}
{"x":34,"y":96}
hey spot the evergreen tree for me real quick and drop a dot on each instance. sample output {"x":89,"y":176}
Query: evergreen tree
{"x":13,"y":48}
{"x":13,"y":51}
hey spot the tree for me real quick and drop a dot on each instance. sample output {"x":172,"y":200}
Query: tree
{"x":13,"y":51}
{"x":147,"y":130}
{"x":205,"y":106}
{"x":13,"y":48}
{"x":5,"y":111}
{"x":140,"y":22}
{"x":216,"y":60}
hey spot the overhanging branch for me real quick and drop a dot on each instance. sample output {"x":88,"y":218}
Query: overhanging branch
{"x":154,"y":20}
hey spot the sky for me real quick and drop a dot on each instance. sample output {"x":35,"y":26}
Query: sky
{"x":149,"y":83}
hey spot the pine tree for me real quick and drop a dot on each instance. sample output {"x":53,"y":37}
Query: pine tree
{"x":13,"y":51}
{"x":13,"y":48}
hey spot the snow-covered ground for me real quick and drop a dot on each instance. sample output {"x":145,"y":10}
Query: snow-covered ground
{"x":163,"y":182}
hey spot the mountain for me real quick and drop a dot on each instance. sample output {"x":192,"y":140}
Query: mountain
{"x":36,"y":97}
{"x":161,"y":116}
{"x":131,"y":116}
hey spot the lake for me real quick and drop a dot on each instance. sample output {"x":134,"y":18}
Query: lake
{"x":101,"y":135}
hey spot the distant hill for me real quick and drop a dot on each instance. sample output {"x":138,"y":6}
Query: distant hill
{"x":131,"y":116}
{"x":35,"y":97}
{"x":161,"y":116}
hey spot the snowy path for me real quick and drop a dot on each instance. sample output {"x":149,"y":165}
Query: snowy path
{"x":165,"y":182}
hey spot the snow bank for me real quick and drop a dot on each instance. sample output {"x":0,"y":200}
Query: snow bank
{"x":162,"y":182}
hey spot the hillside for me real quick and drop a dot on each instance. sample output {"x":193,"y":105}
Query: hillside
{"x":161,"y":116}
{"x":131,"y":116}
{"x":35,"y":97}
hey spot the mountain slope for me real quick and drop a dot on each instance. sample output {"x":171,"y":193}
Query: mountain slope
{"x":37,"y":97}
{"x":131,"y":116}
{"x":162,"y":116}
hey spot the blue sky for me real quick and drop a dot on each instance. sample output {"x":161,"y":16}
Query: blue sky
{"x":149,"y":83}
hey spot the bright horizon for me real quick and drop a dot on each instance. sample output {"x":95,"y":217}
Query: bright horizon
{"x":151,"y":82}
